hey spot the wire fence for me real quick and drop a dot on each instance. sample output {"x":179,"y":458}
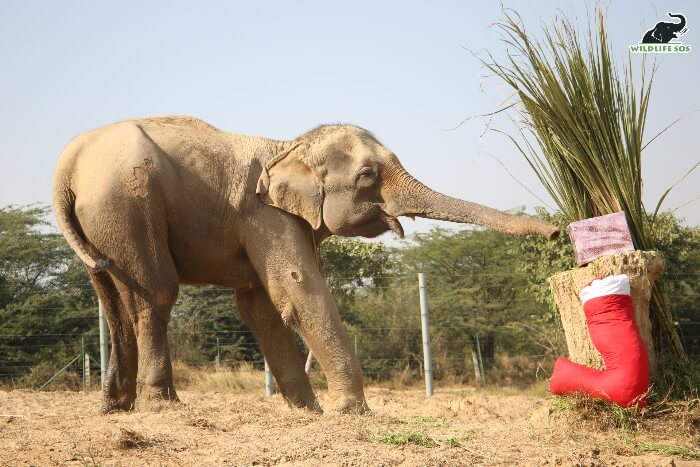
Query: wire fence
{"x":32,"y":359}
{"x":85,"y":348}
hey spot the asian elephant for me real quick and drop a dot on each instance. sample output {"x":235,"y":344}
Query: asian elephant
{"x":153,"y":203}
{"x":663,"y":32}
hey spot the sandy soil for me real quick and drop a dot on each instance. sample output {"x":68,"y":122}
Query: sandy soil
{"x":455,"y":427}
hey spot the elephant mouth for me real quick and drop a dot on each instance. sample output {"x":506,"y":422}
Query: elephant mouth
{"x":393,"y":223}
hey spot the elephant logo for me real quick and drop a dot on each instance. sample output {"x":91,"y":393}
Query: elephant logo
{"x":663,"y":38}
{"x":665,"y":31}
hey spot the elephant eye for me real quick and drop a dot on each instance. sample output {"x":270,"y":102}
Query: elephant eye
{"x":366,"y":176}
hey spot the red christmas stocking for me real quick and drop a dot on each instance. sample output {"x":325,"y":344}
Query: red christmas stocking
{"x":609,"y":312}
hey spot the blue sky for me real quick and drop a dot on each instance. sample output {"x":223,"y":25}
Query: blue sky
{"x":278,"y":69}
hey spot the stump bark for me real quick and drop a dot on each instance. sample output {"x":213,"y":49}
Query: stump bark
{"x":642,"y":268}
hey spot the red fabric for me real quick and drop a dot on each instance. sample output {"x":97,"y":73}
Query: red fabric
{"x":613,"y":330}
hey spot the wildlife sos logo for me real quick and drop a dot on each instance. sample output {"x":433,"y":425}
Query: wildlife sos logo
{"x":659,"y":38}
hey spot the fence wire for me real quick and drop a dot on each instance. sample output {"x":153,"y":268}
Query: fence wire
{"x":29,"y":359}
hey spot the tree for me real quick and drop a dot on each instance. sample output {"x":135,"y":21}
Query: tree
{"x":350,"y":265}
{"x":680,"y":249}
{"x":46,"y":300}
{"x":473,"y":289}
{"x":473,"y":292}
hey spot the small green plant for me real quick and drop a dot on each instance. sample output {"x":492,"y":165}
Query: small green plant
{"x":603,"y":415}
{"x":626,"y":419}
{"x":428,"y":421}
{"x":451,"y":443}
{"x":561,"y":404}
{"x":424,"y":419}
{"x":402,"y":438}
{"x":669,"y":450}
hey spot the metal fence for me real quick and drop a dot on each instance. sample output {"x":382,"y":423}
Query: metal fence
{"x":84,"y":356}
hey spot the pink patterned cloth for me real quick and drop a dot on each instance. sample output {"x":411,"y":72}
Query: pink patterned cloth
{"x":599,"y":236}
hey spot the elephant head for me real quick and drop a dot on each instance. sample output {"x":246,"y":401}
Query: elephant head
{"x":343,"y":181}
{"x":663,"y":32}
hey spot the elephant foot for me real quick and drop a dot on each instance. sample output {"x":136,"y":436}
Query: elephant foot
{"x":111,"y":405}
{"x":308,"y":405}
{"x":351,"y":405}
{"x":166,"y":393}
{"x":302,"y":400}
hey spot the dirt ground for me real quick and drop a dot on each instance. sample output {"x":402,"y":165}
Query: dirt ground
{"x":455,"y":427}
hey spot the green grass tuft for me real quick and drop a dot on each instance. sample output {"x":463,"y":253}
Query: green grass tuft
{"x":402,"y":438}
{"x":669,"y":450}
{"x":428,"y":421}
{"x":602,"y":415}
{"x":451,"y":443}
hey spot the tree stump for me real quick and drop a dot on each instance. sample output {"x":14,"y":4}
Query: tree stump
{"x":642,"y":268}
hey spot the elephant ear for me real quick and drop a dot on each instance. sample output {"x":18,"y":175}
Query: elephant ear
{"x":288,"y":183}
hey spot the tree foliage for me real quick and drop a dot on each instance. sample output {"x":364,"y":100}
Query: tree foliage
{"x":45,"y":295}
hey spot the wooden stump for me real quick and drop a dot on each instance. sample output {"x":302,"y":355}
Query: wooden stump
{"x":642,"y":268}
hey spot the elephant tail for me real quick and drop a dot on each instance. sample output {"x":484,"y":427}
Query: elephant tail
{"x":63,"y":206}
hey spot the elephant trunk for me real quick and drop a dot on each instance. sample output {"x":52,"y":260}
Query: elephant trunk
{"x":409,"y":197}
{"x":679,"y":26}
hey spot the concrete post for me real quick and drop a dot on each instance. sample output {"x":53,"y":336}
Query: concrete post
{"x":425,"y":325}
{"x":217,"y":360}
{"x":104,"y":343}
{"x":269,"y":388}
{"x":86,"y":372}
{"x":85,"y":364}
{"x":309,"y":362}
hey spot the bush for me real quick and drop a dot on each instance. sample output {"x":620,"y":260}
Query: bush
{"x":41,"y":373}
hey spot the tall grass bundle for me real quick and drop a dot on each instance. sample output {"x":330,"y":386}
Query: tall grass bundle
{"x":582,"y":126}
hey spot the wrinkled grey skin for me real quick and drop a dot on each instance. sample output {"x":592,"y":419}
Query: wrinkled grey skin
{"x":150,"y":204}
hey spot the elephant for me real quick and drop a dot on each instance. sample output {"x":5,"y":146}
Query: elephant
{"x":152,"y":203}
{"x":663,"y":32}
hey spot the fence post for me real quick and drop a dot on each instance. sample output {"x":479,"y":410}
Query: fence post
{"x":475,"y":358}
{"x":269,"y":390}
{"x":309,"y":362}
{"x":425,"y":325}
{"x":82,"y":353}
{"x":86,"y":372}
{"x":217,"y":361}
{"x":104,"y":347}
{"x":481,"y":361}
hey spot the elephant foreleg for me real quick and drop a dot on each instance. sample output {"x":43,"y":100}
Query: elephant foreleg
{"x":278,"y":344}
{"x":281,"y":251}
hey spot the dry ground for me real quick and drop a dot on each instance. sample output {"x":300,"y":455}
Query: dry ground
{"x":458,"y":426}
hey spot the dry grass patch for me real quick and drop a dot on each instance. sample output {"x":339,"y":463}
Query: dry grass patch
{"x":646,"y":430}
{"x":242,"y":378}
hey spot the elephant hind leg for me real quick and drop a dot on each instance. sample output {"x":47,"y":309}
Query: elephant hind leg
{"x":149,"y":293}
{"x":138,"y":291}
{"x":119,"y":391}
{"x":278,"y":343}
